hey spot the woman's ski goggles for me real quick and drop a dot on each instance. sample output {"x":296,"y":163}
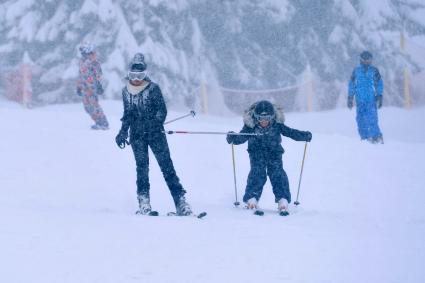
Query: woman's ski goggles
{"x":136,"y":76}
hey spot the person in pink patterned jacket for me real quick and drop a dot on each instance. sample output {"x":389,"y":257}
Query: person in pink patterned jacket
{"x":89,"y":86}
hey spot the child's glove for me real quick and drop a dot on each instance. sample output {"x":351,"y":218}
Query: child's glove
{"x":378,"y":100}
{"x":308,"y":136}
{"x":350,"y":102}
{"x":229,"y":138}
{"x":79,"y":92}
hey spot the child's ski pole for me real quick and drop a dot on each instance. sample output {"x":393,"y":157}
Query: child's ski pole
{"x":236,"y":203}
{"x":301,"y":174}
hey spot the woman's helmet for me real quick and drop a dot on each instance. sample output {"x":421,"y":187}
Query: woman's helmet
{"x":137,"y":68}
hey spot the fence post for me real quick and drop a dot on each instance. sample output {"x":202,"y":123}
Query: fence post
{"x":204,"y":98}
{"x":406,"y":90}
{"x":25,"y":72}
{"x":309,"y":88}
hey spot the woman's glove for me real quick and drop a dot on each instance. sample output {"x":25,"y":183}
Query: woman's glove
{"x":121,"y":139}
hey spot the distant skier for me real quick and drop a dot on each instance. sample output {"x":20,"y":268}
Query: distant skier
{"x":144,"y":114}
{"x":265,"y":152}
{"x":89,"y":86}
{"x":366,"y":86}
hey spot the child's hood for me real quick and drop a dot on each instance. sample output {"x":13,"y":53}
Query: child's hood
{"x":249,"y":120}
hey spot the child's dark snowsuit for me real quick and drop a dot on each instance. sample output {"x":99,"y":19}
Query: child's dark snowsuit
{"x":265,"y":154}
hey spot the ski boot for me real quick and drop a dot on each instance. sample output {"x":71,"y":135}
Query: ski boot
{"x":282,"y":207}
{"x":378,"y":140}
{"x":99,"y":127}
{"x":182,"y":207}
{"x":252,"y":203}
{"x":144,"y":205}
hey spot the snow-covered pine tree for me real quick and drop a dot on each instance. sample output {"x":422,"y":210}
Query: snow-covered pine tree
{"x":255,"y":44}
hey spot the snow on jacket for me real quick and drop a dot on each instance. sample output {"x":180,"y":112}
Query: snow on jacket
{"x":270,"y":138}
{"x":144,"y":109}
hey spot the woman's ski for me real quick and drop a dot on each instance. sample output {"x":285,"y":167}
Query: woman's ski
{"x":200,"y":215}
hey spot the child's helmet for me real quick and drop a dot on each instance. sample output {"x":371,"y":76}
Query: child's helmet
{"x":264,"y":110}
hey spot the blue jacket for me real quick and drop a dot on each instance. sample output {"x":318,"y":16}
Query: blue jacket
{"x":365,"y":83}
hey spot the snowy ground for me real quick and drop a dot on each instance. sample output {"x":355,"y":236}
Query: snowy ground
{"x":67,"y":202}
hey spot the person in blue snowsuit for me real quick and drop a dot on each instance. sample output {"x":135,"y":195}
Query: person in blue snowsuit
{"x":265,"y":152}
{"x":366,"y":86}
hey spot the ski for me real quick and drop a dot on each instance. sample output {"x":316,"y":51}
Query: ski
{"x":151,"y":213}
{"x":258,"y":212}
{"x":283,"y":213}
{"x":200,"y":215}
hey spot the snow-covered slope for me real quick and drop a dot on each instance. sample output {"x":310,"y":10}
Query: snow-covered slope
{"x":67,"y":203}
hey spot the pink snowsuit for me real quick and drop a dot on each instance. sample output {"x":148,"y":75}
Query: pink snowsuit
{"x":89,"y":85}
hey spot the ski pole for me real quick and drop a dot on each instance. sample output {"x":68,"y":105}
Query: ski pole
{"x":236,"y":203}
{"x":211,"y":133}
{"x":192,"y":113}
{"x":301,"y":174}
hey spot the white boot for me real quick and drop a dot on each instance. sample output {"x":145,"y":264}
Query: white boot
{"x":252,"y":203}
{"x":182,"y":207}
{"x":144,"y":205}
{"x":282,"y":205}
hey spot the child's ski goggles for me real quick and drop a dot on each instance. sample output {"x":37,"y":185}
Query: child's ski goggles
{"x":263,"y":117}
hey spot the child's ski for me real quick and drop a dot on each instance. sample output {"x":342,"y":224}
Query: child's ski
{"x":258,"y":212}
{"x":283,"y":213}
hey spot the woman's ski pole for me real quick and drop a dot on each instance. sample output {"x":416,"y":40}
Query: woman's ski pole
{"x":192,"y":113}
{"x":236,"y":203}
{"x":301,"y":174}
{"x":210,"y":133}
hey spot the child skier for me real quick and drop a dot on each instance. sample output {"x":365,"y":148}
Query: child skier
{"x":265,"y":152}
